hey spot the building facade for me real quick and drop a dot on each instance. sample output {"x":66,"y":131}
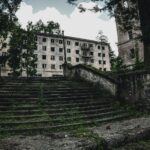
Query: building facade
{"x":50,"y":54}
{"x":130,"y":46}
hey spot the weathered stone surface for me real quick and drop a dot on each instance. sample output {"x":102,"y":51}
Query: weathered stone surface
{"x":61,"y":141}
{"x":92,"y":76}
{"x":134,"y":89}
{"x":123,"y":132}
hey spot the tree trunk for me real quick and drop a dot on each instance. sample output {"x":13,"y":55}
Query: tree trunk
{"x":144,"y":11}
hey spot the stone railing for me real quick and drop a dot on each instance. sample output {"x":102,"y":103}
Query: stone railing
{"x":93,"y":76}
{"x":134,"y":88}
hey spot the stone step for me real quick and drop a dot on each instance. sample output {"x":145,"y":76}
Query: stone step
{"x":54,"y":109}
{"x":49,"y":100}
{"x":4,"y":94}
{"x":53,"y":104}
{"x":54,"y":128}
{"x":59,"y":120}
{"x":18,"y":116}
{"x":60,"y":105}
{"x":48,"y":88}
{"x":53,"y":97}
{"x":46,"y":91}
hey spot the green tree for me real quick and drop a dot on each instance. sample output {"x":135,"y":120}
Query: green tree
{"x":117,"y":64}
{"x":30,"y":59}
{"x":8,"y":19}
{"x":112,"y":58}
{"x":126,"y":16}
{"x":39,"y":26}
{"x":15,"y":50}
{"x":51,"y":27}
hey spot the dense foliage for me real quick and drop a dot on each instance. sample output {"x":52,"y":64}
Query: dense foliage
{"x":8,"y":19}
{"x":51,"y":27}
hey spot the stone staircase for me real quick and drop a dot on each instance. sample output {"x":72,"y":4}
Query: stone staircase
{"x":40,"y":105}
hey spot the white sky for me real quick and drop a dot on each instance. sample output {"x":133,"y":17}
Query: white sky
{"x":83,"y":25}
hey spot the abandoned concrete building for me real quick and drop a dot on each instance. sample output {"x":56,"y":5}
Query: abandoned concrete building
{"x":50,"y":54}
{"x":130,"y":46}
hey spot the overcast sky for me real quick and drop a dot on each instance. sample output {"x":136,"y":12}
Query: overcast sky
{"x":83,"y":25}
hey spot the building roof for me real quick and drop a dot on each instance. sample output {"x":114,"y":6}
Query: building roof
{"x":73,"y":38}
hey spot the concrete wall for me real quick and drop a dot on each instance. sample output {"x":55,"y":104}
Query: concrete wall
{"x":134,"y":89}
{"x":92,"y":76}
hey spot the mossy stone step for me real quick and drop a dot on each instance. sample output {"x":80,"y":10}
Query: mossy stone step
{"x":55,"y":128}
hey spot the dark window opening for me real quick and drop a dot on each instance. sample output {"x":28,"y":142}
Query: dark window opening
{"x":43,"y":56}
{"x":132,"y":53}
{"x":44,"y":39}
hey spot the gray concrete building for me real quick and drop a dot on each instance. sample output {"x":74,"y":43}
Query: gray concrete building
{"x":130,"y":46}
{"x":50,"y":54}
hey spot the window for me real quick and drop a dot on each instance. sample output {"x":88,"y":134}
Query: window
{"x":60,"y":67}
{"x":104,"y":62}
{"x":36,"y":47}
{"x":103,"y":55}
{"x":84,"y":53}
{"x":84,"y":45}
{"x":3,"y":64}
{"x":43,"y":56}
{"x":91,"y":53}
{"x":60,"y":41}
{"x":36,"y":38}
{"x":132,"y":53}
{"x":4,"y":45}
{"x":90,"y":45}
{"x":52,"y":57}
{"x":104,"y":69}
{"x":77,"y":59}
{"x":44,"y":39}
{"x":130,"y":34}
{"x":100,"y":69}
{"x":98,"y":47}
{"x":76,"y":43}
{"x":52,"y":40}
{"x":100,"y":62}
{"x":103,"y":47}
{"x":60,"y":50}
{"x":36,"y":56}
{"x":68,"y":58}
{"x":44,"y":48}
{"x":53,"y":49}
{"x":77,"y":51}
{"x":99,"y":54}
{"x":35,"y":65}
{"x":68,"y":42}
{"x":44,"y":66}
{"x":4,"y":54}
{"x":52,"y":66}
{"x":68,"y":50}
{"x":92,"y":60}
{"x":23,"y":65}
{"x":61,"y":58}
